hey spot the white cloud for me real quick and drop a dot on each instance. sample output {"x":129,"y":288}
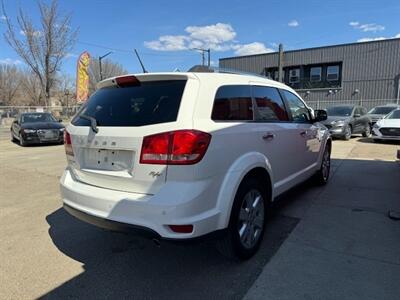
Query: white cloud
{"x":70,"y":55}
{"x":168,"y":43}
{"x":293,"y":23}
{"x":371,"y":27}
{"x":214,"y":36}
{"x":380,"y":38}
{"x":10,"y":61}
{"x":217,"y":37}
{"x":252,"y":48}
{"x":3,"y":17}
{"x":36,"y":33}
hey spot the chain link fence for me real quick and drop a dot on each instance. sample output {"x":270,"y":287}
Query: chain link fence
{"x":8,"y":113}
{"x":367,"y":103}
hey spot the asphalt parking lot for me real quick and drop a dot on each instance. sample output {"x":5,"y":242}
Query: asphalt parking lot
{"x":332,"y":242}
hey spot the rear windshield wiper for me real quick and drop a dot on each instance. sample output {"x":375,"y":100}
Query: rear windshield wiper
{"x":93,"y":122}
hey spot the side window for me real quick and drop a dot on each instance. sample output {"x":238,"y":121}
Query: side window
{"x":233,"y":103}
{"x":299,"y":111}
{"x":269,"y":105}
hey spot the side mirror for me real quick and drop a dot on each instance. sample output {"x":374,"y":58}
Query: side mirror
{"x":15,"y":122}
{"x":357,"y":115}
{"x":60,"y":120}
{"x":320,"y":115}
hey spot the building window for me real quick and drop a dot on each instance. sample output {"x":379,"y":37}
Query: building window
{"x":332,"y":73}
{"x":294,"y":76}
{"x":315,"y":74}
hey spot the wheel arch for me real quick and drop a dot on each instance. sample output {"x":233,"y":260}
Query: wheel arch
{"x":250,"y":164}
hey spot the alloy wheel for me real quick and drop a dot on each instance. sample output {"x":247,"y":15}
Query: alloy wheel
{"x":251,"y":219}
{"x":326,"y":164}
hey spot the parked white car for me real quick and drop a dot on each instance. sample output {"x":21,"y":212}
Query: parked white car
{"x":387,"y":128}
{"x":184,"y":155}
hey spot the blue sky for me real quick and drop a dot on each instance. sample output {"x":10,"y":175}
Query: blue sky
{"x":165,"y":31}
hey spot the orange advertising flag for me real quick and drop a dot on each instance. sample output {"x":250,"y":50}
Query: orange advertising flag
{"x":82,"y":77}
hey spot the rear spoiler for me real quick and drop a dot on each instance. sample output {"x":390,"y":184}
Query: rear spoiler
{"x":135,"y":79}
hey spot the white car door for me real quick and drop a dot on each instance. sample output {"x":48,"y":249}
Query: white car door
{"x":278,"y":137}
{"x":308,"y":136}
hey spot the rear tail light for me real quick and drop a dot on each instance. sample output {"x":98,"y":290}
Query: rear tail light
{"x":181,"y":147}
{"x":68,"y":144}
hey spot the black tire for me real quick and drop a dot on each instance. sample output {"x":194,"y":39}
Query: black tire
{"x":322,"y":175}
{"x":367,"y":131}
{"x":231,"y":245}
{"x":348,"y":133}
{"x":22,"y":142}
{"x":13,"y":139}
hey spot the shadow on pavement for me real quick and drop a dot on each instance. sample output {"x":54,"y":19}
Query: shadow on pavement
{"x":117,"y":265}
{"x":371,"y":141}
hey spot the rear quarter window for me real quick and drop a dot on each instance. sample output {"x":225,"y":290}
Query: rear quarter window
{"x":149,"y":103}
{"x":233,"y":103}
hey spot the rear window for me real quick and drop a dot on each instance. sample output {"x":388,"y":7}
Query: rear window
{"x":150,"y":103}
{"x":233,"y":103}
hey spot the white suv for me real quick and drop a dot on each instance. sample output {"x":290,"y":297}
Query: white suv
{"x":183,"y":155}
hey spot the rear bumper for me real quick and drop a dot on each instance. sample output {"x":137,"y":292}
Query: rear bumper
{"x":122,"y":211}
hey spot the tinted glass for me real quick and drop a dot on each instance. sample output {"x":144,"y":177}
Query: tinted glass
{"x":394,"y":115}
{"x":233,"y":102}
{"x":340,"y":111}
{"x":297,"y":108}
{"x":37,"y":117}
{"x":269,"y":105}
{"x":150,"y":103}
{"x":382,"y":110}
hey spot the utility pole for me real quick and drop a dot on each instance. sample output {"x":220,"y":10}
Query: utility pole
{"x":100,"y":58}
{"x":280,"y":64}
{"x":203,"y":51}
{"x":66,"y":93}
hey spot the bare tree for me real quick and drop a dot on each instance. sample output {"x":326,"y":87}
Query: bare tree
{"x":10,"y":80}
{"x":43,"y":48}
{"x":32,"y":88}
{"x":66,"y":89}
{"x":108,"y":69}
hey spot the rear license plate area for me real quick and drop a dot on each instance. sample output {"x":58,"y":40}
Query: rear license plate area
{"x":107,"y":160}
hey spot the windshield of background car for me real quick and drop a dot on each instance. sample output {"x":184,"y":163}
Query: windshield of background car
{"x":37,"y":117}
{"x":394,"y":114}
{"x":146,"y":104}
{"x":381,"y":110}
{"x":340,"y":111}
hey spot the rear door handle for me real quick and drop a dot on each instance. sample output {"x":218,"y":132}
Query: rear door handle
{"x":268,"y":136}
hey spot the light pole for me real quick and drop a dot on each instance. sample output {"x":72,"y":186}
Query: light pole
{"x":100,"y":58}
{"x":66,"y":93}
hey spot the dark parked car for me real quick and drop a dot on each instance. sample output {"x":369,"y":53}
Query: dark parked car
{"x":37,"y":128}
{"x":379,"y":112}
{"x":345,"y":120}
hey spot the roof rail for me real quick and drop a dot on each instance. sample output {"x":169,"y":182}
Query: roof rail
{"x":206,"y":69}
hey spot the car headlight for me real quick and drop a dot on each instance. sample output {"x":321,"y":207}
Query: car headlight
{"x":338,"y":123}
{"x":62,"y":129}
{"x":29,"y":130}
{"x":376,"y":126}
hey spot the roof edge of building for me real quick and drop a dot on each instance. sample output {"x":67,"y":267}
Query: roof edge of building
{"x":312,"y":48}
